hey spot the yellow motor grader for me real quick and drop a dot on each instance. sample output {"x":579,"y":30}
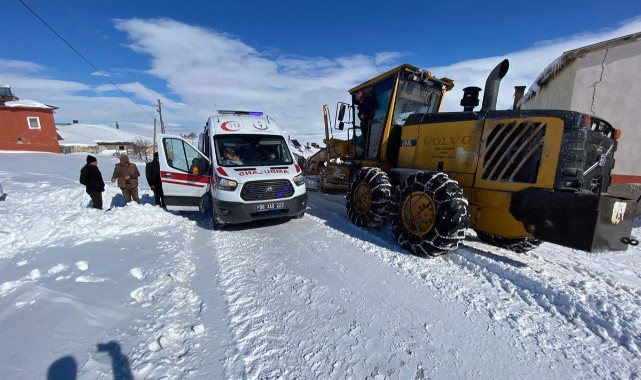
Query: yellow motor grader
{"x":516,"y":177}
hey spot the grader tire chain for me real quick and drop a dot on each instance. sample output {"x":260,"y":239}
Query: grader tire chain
{"x":517,"y":245}
{"x":451,"y":214}
{"x":375,"y":210}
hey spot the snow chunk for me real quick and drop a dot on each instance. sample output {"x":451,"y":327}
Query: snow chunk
{"x":154,"y":346}
{"x":90,"y":279}
{"x":198,"y":329}
{"x":7,"y":286}
{"x":140,"y":296}
{"x":34,"y":274}
{"x":137,"y":273}
{"x":57,"y":269}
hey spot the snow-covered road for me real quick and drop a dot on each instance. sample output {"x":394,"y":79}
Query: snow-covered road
{"x":167,"y":297}
{"x":378,"y":311}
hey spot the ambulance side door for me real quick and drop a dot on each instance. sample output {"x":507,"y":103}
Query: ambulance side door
{"x":184,"y":172}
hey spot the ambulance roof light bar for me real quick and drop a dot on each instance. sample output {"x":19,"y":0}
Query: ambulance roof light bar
{"x":247,"y":113}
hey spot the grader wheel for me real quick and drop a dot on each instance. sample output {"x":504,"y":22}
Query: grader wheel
{"x":368,"y":197}
{"x":429,"y":214}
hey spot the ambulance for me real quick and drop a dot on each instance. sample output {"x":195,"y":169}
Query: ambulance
{"x":242,"y":170}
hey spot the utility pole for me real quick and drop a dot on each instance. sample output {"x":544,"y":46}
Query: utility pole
{"x":153,"y":149}
{"x":162,"y":125}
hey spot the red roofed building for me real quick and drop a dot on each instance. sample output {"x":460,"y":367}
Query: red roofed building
{"x":26,"y":125}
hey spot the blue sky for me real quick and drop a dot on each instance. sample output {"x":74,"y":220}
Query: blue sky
{"x":285,"y":57}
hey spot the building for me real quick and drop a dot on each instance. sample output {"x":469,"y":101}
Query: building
{"x":78,"y":137}
{"x":600,"y":80}
{"x":26,"y":124}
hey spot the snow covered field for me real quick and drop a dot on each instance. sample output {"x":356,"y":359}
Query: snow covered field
{"x":138,"y":292}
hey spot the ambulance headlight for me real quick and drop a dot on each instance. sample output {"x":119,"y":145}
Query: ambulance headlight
{"x":299,"y":180}
{"x":226,"y":184}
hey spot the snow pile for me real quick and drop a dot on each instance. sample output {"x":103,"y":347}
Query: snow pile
{"x":139,"y":292}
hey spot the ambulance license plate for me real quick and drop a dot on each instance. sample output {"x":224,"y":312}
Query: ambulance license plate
{"x":270,"y":206}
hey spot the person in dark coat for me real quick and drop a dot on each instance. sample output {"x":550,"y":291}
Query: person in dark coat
{"x":363,"y":103}
{"x":152,"y":172}
{"x":91,"y":177}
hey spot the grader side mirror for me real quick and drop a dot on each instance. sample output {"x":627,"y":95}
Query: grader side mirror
{"x":341,"y":125}
{"x":341,"y":113}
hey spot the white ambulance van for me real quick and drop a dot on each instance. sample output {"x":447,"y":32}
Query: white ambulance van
{"x":243,"y":168}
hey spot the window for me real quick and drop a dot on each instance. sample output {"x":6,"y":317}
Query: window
{"x":414,"y":97}
{"x":254,"y":150}
{"x":183,"y":157}
{"x":34,"y":122}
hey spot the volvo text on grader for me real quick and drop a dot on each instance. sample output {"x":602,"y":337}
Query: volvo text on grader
{"x":516,"y":177}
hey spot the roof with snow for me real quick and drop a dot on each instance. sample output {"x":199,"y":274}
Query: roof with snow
{"x":89,"y":134}
{"x":26,"y":103}
{"x":301,"y":150}
{"x":567,"y":57}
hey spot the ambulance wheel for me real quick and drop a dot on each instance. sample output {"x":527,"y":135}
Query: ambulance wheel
{"x":429,"y":214}
{"x":368,"y":197}
{"x":215,"y":221}
{"x":518,"y":245}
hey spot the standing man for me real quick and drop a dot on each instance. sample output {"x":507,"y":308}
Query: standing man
{"x":364,"y":110}
{"x":152,"y":172}
{"x":91,"y":177}
{"x":127,"y":175}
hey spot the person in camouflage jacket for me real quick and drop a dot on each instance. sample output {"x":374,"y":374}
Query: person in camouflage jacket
{"x":127,"y":175}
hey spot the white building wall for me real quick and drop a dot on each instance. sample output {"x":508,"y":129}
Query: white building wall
{"x":608,"y":85}
{"x":557,"y":93}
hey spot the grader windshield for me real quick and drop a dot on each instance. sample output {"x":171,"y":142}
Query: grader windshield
{"x":415,"y":97}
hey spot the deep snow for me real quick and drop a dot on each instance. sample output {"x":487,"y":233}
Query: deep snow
{"x":139,"y":292}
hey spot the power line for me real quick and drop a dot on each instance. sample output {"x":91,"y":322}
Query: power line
{"x":86,"y":60}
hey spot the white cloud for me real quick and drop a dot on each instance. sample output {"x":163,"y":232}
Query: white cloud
{"x":525,"y":65}
{"x":207,"y":70}
{"x":101,"y":74}
{"x":13,"y":65}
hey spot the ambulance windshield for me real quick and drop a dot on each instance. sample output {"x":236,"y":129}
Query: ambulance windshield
{"x":252,"y":150}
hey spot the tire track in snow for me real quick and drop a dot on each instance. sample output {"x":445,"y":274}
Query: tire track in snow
{"x":252,"y":289}
{"x":288,"y":324}
{"x":342,"y":320}
{"x":580,"y":296}
{"x":577,"y":295}
{"x":584,"y":307}
{"x":573,"y":309}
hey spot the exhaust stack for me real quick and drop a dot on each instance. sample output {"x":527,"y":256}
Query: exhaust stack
{"x":492,"y":85}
